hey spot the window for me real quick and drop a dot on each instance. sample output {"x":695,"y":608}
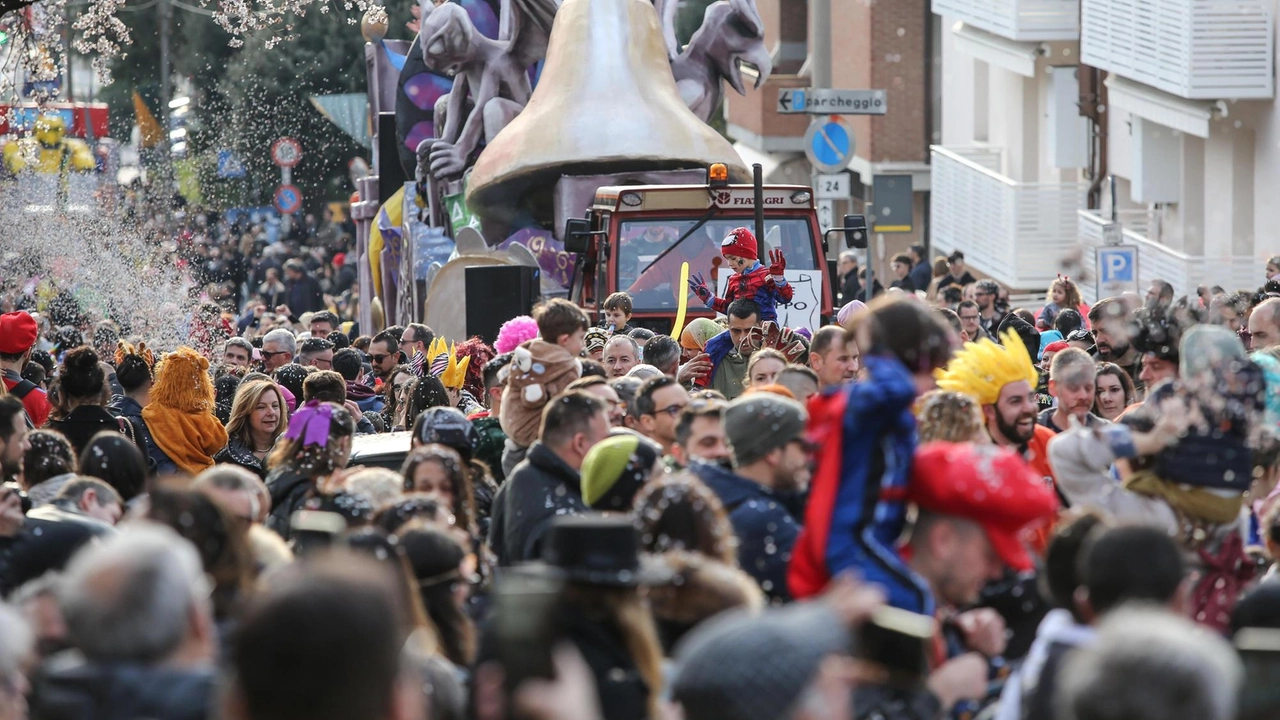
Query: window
{"x":653,"y":285}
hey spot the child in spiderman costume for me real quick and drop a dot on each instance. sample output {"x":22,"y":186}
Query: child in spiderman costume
{"x":766,"y":285}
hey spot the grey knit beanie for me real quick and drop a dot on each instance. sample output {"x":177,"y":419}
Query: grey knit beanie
{"x":748,"y":666}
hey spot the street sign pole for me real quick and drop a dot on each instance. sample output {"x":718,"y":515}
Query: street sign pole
{"x":286,"y":153}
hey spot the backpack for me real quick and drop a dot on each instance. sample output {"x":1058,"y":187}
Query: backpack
{"x":21,"y":391}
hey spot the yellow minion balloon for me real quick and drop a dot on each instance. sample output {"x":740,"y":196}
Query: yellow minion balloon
{"x":49,"y":151}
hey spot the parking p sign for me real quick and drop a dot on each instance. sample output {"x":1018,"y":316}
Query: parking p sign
{"x":1117,"y":270}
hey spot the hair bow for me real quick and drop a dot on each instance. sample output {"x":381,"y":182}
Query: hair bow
{"x":311,"y":423}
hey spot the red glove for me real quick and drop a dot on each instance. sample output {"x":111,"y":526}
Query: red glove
{"x":777,"y":264}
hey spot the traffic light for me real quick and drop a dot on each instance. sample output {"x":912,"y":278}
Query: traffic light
{"x":179,"y":109}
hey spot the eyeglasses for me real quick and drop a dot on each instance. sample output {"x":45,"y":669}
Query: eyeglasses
{"x":672,"y":410}
{"x":265,"y":354}
{"x":377,"y":359}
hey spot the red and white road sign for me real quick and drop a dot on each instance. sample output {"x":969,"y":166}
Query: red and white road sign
{"x":286,"y":152}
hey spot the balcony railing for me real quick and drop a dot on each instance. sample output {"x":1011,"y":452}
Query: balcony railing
{"x":1159,"y":262}
{"x":1026,"y":20}
{"x":1195,"y":49}
{"x":1018,"y":233}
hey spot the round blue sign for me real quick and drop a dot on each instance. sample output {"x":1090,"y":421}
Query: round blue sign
{"x":829,"y":144}
{"x":288,"y":199}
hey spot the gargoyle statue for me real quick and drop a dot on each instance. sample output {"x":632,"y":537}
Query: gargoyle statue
{"x":732,"y":33}
{"x":490,"y":77}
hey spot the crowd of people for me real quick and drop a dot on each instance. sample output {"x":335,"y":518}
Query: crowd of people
{"x":934,"y":506}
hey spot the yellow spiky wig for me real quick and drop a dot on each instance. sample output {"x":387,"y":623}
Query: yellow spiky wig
{"x":182,"y":382}
{"x":982,"y":369}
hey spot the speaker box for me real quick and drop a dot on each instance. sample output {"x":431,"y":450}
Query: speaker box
{"x":391,"y":176}
{"x":497,"y":293}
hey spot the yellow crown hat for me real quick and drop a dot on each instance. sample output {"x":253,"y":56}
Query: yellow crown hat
{"x":982,"y":369}
{"x":442,"y":358}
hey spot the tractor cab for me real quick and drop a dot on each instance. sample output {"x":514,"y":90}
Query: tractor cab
{"x":636,"y":238}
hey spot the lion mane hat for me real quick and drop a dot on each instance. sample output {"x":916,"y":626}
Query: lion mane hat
{"x":182,"y":382}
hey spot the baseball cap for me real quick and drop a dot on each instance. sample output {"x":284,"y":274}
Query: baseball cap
{"x":987,"y":485}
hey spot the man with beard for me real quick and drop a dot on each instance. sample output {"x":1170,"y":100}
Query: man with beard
{"x":13,"y":439}
{"x":765,"y":433}
{"x":1072,"y":381}
{"x":700,"y":435}
{"x":987,"y":295}
{"x":1002,"y":379}
{"x":1112,"y":337}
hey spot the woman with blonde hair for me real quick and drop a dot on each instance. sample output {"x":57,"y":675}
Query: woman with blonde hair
{"x":258,"y":416}
{"x":763,"y":367}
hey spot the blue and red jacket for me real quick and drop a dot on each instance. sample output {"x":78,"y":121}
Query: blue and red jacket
{"x":755,"y":284}
{"x":857,"y":499}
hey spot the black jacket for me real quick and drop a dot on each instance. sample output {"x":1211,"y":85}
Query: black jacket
{"x":538,"y":489}
{"x":624,"y":695}
{"x":850,"y":288}
{"x":88,"y":420}
{"x":763,"y":521}
{"x":237,"y":453}
{"x":304,"y":295}
{"x":289,"y":492}
{"x":73,"y":689}
{"x":38,"y":547}
{"x":123,"y":406}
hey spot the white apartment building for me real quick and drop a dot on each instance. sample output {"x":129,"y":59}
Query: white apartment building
{"x":1193,"y":138}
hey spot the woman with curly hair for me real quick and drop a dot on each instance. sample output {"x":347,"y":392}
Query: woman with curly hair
{"x":480,"y":353}
{"x":47,"y":465}
{"x":679,"y":512}
{"x":950,"y":416}
{"x":317,"y":445}
{"x":439,"y":471}
{"x":395,"y":395}
{"x":180,"y":414}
